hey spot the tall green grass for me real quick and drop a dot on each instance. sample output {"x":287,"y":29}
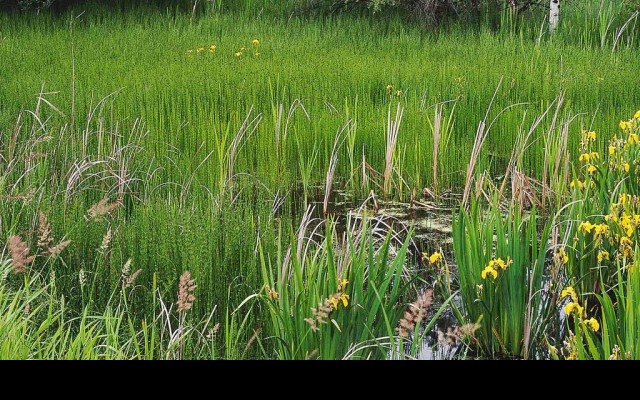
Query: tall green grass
{"x":502,"y":268}
{"x":186,"y":103}
{"x":203,"y":165}
{"x":616,"y":336}
{"x":337,"y":301}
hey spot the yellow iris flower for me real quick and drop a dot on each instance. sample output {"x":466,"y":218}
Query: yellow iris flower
{"x":570,"y":292}
{"x":581,"y":185}
{"x":489,"y":271}
{"x":603,"y":255}
{"x":574,"y":308}
{"x":436,"y":258}
{"x":586,"y":227}
{"x":593,"y":323}
{"x":334,"y":303}
{"x":562,"y":257}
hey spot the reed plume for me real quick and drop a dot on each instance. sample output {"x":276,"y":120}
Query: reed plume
{"x":131,"y":280}
{"x":44,"y":231}
{"x":185,"y":292}
{"x":55,"y":251}
{"x":100,"y":209}
{"x":320,"y":316}
{"x":106,"y":242}
{"x":19,"y":255}
{"x":45,"y":238}
{"x":415,"y":314}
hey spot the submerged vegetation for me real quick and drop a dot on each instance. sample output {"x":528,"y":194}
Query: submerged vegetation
{"x":219,"y":183}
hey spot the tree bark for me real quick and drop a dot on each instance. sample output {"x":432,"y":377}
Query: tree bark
{"x":554,"y":17}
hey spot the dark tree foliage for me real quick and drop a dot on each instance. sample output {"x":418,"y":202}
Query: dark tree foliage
{"x":431,"y":11}
{"x":60,"y":6}
{"x":26,"y":4}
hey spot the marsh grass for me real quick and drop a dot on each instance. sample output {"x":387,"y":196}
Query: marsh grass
{"x":337,"y":296}
{"x":620,"y":308}
{"x":180,"y":113}
{"x":513,"y":305}
{"x":148,"y":163}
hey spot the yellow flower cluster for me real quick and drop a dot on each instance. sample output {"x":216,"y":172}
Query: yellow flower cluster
{"x":581,"y":185}
{"x":631,"y":124}
{"x":496,"y":265}
{"x":339,"y":298}
{"x":489,"y":272}
{"x":629,"y":223}
{"x":587,"y":228}
{"x":574,"y":308}
{"x":624,"y":217}
{"x":392,"y":92}
{"x":626,"y":202}
{"x":600,"y":232}
{"x":561,"y":257}
{"x":201,"y":50}
{"x":604,"y":255}
{"x":500,"y":264}
{"x":255,"y":43}
{"x":626,"y":249}
{"x":591,"y":168}
{"x":588,"y":137}
{"x":578,"y":183}
{"x":589,"y":157}
{"x":434,"y":259}
{"x":623,"y":151}
{"x":570,"y":292}
{"x":593,"y":324}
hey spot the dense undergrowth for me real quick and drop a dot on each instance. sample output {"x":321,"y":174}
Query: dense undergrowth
{"x":168,"y":183}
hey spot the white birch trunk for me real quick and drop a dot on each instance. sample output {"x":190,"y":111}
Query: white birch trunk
{"x":554,"y":17}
